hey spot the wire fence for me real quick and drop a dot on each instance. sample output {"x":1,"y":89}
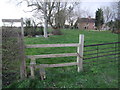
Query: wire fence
{"x":98,"y":54}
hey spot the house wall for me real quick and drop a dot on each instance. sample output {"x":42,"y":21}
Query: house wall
{"x":91,"y":26}
{"x":82,"y":26}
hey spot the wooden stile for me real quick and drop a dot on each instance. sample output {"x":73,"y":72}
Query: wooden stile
{"x":42,"y":67}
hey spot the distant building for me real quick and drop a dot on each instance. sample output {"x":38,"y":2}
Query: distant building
{"x":86,"y":23}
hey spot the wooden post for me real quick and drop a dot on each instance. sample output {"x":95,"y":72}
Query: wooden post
{"x":32,"y":67}
{"x":23,"y":72}
{"x":22,"y":28}
{"x":80,"y":53}
{"x":42,"y":72}
{"x":23,"y":62}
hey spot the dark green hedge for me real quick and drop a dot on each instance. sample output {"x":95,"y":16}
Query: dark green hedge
{"x":10,"y":55}
{"x":32,"y":31}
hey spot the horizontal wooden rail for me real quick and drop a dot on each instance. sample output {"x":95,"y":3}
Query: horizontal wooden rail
{"x":56,"y":65}
{"x":51,"y":45}
{"x":52,"y":55}
{"x":11,"y":20}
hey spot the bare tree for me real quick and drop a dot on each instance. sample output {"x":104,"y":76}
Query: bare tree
{"x":48,"y":10}
{"x":66,"y":13}
{"x":109,"y":13}
{"x":86,"y":13}
{"x":45,"y":8}
{"x":72,"y":16}
{"x":114,"y":7}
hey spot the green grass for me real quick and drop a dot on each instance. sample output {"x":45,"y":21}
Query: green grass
{"x":95,"y":75}
{"x":72,"y":36}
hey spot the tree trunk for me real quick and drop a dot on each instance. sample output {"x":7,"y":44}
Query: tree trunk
{"x":45,"y":21}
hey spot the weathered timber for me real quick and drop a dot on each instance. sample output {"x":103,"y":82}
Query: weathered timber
{"x":51,"y":45}
{"x":80,"y":53}
{"x":52,"y":55}
{"x":42,"y":72}
{"x":11,"y":20}
{"x":32,"y":67}
{"x":57,"y":65}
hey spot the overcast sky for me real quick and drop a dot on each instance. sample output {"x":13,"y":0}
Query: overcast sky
{"x":11,"y":11}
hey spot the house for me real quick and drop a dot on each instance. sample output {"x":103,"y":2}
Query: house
{"x":86,"y":23}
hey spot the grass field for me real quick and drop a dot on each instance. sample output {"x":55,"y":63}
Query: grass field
{"x":93,"y":76}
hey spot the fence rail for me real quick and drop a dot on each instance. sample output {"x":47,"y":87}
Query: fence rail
{"x":42,"y":67}
{"x":56,"y":65}
{"x":51,"y":45}
{"x":110,"y":52}
{"x":52,"y":55}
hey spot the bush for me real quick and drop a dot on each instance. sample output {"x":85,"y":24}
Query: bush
{"x":10,"y":55}
{"x":32,"y":31}
{"x":56,"y":32}
{"x":39,"y":31}
{"x":29,"y":31}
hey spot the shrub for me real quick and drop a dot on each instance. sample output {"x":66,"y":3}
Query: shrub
{"x":10,"y":55}
{"x":56,"y":32}
{"x":32,"y":31}
{"x":39,"y":31}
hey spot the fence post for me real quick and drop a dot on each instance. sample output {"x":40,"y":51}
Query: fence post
{"x":22,"y":28}
{"x":42,"y":72}
{"x":80,"y":53}
{"x":32,"y":67}
{"x":23,"y":73}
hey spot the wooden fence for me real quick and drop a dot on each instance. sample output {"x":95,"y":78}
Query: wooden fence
{"x":42,"y":67}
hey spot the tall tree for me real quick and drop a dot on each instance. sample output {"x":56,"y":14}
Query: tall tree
{"x":108,"y":14}
{"x":44,"y":9}
{"x":65,"y":13}
{"x":116,"y":9}
{"x":99,"y":18}
{"x":60,"y":18}
{"x":47,"y":10}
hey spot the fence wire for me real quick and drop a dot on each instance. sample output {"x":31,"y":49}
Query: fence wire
{"x":99,"y":54}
